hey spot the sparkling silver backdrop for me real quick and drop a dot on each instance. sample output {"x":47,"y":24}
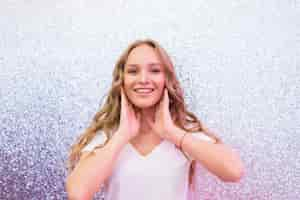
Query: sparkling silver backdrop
{"x":238,"y":62}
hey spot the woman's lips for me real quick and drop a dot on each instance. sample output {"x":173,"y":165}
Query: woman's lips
{"x":143,"y":91}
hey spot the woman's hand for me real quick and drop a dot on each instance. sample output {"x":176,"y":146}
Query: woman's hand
{"x":163,"y":124}
{"x":129,"y":119}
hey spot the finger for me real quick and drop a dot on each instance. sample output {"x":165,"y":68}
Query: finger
{"x":124,"y":103}
{"x":131,"y":109}
{"x":161,"y":104}
{"x":128,"y":107}
{"x":159,"y":111}
{"x":124,"y":96}
{"x":166,"y":100}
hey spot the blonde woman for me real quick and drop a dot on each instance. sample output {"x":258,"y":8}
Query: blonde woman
{"x":143,"y":143}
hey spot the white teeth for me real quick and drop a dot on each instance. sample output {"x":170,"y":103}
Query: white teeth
{"x":144,"y":90}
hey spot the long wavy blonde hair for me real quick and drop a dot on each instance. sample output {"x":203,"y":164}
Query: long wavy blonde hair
{"x":108,"y":117}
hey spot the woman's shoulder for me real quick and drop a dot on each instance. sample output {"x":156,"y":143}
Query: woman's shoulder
{"x":99,"y":139}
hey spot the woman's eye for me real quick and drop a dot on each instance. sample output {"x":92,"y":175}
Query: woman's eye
{"x":131,"y":71}
{"x":156,"y":70}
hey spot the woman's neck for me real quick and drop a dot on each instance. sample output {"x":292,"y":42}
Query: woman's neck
{"x":147,"y":114}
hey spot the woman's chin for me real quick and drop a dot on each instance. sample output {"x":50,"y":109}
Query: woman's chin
{"x":143,"y":105}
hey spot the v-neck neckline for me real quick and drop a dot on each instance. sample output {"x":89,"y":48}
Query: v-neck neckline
{"x":154,"y":149}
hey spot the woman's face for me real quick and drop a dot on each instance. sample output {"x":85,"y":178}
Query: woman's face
{"x":144,"y":77}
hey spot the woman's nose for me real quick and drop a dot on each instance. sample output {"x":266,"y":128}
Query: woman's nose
{"x":144,"y":77}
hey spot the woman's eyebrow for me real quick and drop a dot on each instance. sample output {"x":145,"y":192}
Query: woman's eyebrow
{"x":132,"y":64}
{"x":154,"y":63}
{"x":149,"y":64}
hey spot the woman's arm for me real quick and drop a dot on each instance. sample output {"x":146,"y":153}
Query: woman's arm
{"x":219,"y":159}
{"x":93,"y":169}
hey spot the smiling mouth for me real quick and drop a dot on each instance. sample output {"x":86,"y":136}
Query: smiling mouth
{"x":143,"y":91}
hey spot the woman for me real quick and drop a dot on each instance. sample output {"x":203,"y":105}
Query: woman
{"x":144,"y":143}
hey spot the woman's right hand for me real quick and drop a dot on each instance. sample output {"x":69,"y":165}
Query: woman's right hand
{"x":129,"y":119}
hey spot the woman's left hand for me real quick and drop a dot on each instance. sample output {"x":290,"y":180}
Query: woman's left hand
{"x":163,"y":124}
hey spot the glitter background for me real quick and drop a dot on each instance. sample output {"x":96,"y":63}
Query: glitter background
{"x":237,"y":60}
